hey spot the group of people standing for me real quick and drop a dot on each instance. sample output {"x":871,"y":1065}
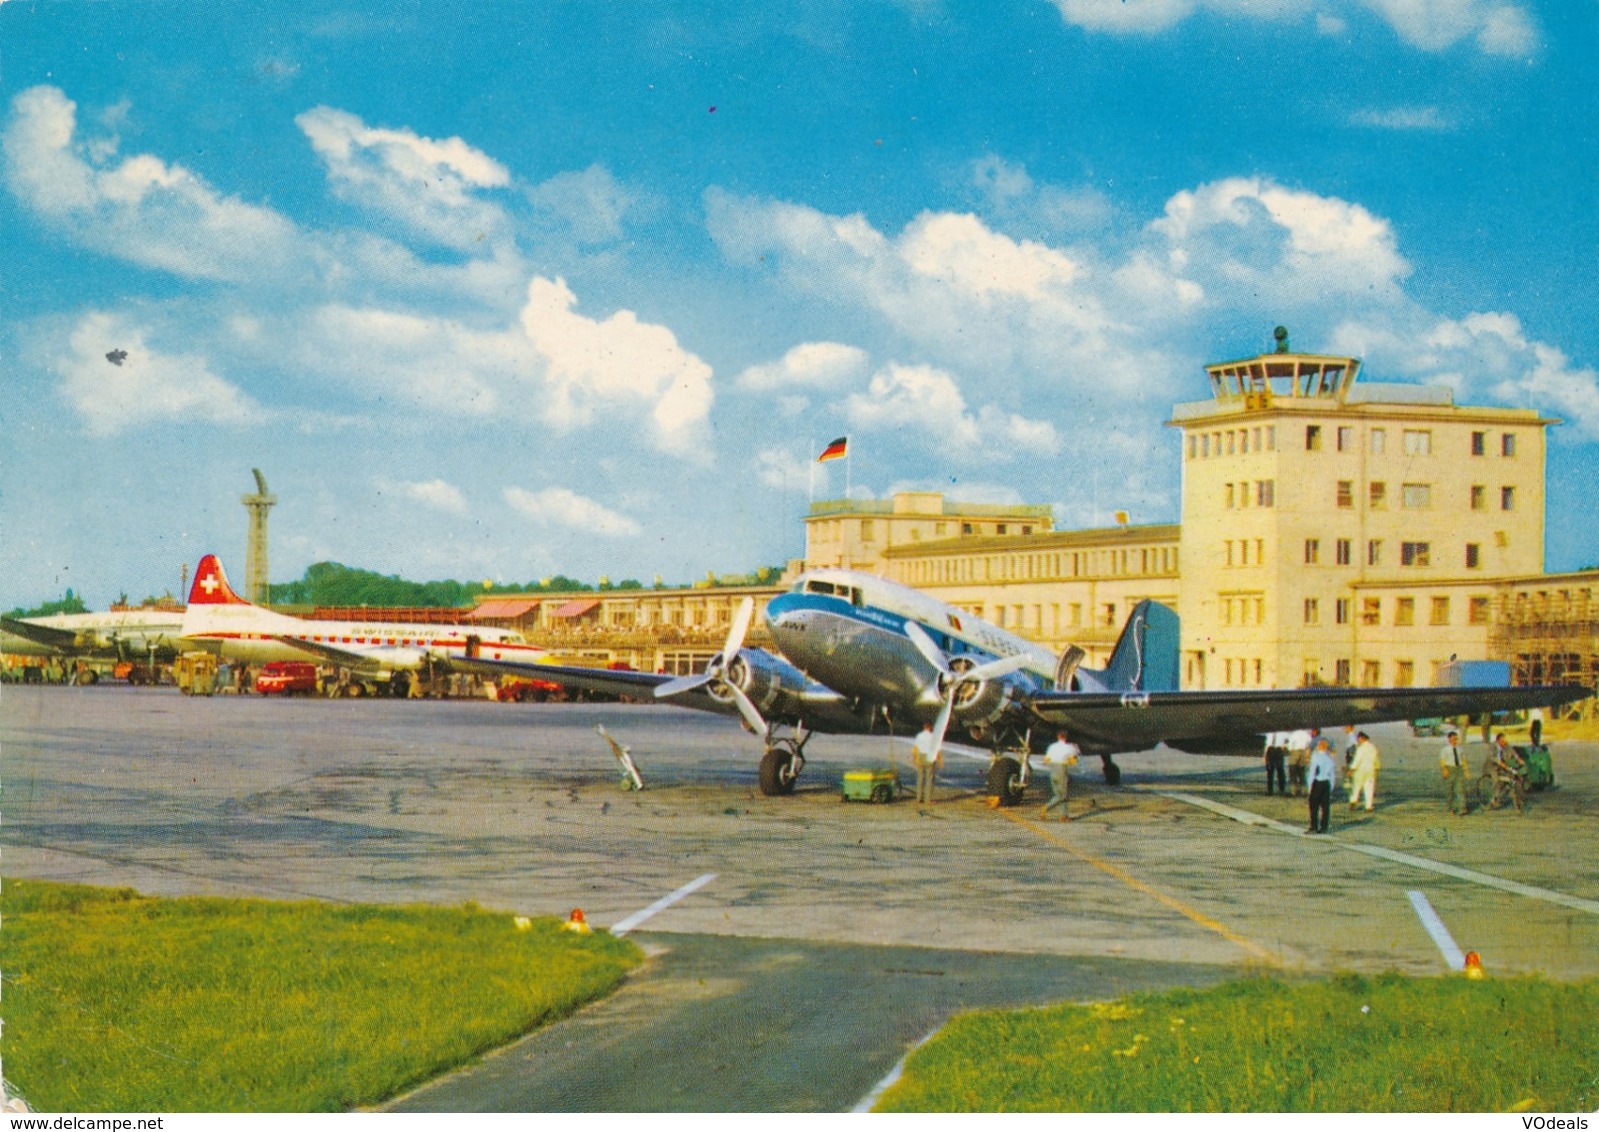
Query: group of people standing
{"x":1302,"y":760}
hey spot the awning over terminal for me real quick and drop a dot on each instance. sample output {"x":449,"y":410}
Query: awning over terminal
{"x":576,"y":608}
{"x":504,"y":608}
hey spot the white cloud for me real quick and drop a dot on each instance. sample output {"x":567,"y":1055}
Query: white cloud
{"x":1497,"y":27}
{"x":138,"y":385}
{"x":1401,"y":118}
{"x":142,"y":209}
{"x":434,"y":494}
{"x":592,"y":203}
{"x":430,"y":186}
{"x":810,"y":365}
{"x":558,"y":507}
{"x":782,"y":469}
{"x":1020,"y":203}
{"x":930,"y":401}
{"x":1485,"y":357}
{"x":617,"y":364}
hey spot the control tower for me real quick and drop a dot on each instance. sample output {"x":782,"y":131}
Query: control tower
{"x":256,"y":578}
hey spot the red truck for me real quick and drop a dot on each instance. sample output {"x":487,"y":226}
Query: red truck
{"x":287,"y":678}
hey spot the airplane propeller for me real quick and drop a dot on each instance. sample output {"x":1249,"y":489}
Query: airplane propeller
{"x":953,"y":679}
{"x":718,"y":671}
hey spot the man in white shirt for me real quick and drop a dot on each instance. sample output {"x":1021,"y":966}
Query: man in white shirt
{"x":1452,"y":760}
{"x":1059,"y":756}
{"x":1298,"y":759}
{"x":1276,"y":761}
{"x":1363,"y":771}
{"x":927,"y":761}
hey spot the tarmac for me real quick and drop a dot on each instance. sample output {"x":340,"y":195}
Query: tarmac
{"x":823,"y":938}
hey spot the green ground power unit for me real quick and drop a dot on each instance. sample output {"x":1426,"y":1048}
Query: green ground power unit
{"x":870,"y":785}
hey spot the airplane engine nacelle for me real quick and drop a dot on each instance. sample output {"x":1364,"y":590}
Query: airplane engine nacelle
{"x":404,"y":659}
{"x":981,"y":703}
{"x":764,"y":678}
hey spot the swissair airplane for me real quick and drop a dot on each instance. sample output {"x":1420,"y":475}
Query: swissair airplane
{"x":862,"y":655}
{"x":221,"y":621}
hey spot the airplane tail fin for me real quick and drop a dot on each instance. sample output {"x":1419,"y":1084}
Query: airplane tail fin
{"x":1146,"y":655}
{"x":211,"y":585}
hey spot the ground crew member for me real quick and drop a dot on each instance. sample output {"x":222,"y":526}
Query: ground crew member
{"x":1453,"y":763}
{"x":1060,"y":755}
{"x":1276,"y":761}
{"x":928,"y":760}
{"x":1321,"y":774}
{"x":1363,"y":771}
{"x":1298,"y":758}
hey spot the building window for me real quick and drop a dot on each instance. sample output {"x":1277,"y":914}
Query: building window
{"x":1374,"y":552}
{"x":1415,"y":553}
{"x":1313,"y":438}
{"x":966,"y":528}
{"x":868,"y":530}
{"x":1440,"y":611}
{"x":1418,"y":442}
{"x":1232,"y":442}
{"x":1346,"y":438}
{"x":1479,"y":497}
{"x":1026,"y":530}
{"x":1379,"y":495}
{"x":1404,"y":673}
{"x":1204,"y":445}
{"x":1345,"y":551}
{"x":1256,"y":433}
{"x":1229,"y":545}
{"x":1371,"y":611}
{"x":1507,"y":444}
{"x":1341,"y":672}
{"x":1416,"y":496}
{"x":1341,"y":611}
{"x":1507,"y":499}
{"x":1405,"y":611}
{"x":1271,"y":438}
{"x":999,"y":529}
{"x":1110,"y":613}
{"x":1370,"y":674}
{"x":1477,"y":611}
{"x":1346,"y":493}
{"x":1312,"y":611}
{"x":1312,"y":551}
{"x":1379,"y":441}
{"x":1266,"y":493}
{"x":1229,"y":496}
{"x":1473,"y":556}
{"x":1479,"y":443}
{"x":1243,"y":441}
{"x":1193,"y":446}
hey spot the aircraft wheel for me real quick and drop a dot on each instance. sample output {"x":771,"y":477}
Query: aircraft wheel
{"x":778,"y":773}
{"x":1005,"y":781}
{"x":1113,"y":773}
{"x":883,"y":793}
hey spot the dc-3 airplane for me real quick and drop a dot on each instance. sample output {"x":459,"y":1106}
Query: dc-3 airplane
{"x":123,"y":634}
{"x":861,"y":655}
{"x":221,"y":621}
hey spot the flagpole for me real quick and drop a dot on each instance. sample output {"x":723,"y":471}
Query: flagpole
{"x":849,"y":458}
{"x":810,"y":446}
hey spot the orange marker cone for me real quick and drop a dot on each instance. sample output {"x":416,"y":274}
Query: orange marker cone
{"x":576,"y":922}
{"x":1474,"y":966}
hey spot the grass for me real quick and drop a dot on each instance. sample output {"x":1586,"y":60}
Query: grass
{"x":1351,"y":1044}
{"x":115,"y":1001}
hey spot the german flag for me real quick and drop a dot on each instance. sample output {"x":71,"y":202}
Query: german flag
{"x":835,"y":451}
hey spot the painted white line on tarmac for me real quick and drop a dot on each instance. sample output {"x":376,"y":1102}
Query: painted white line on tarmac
{"x":865,"y":1103}
{"x":1435,"y":928}
{"x":1487,"y":880}
{"x":622,"y":927}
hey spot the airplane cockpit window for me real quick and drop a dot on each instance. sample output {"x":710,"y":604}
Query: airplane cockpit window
{"x":816,"y":586}
{"x":855,"y":596}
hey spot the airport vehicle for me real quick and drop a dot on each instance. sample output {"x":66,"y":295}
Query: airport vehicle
{"x":221,"y":621}
{"x":286,"y":677}
{"x":862,"y":655}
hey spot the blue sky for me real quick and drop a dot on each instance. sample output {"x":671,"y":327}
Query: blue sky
{"x":505,"y":290}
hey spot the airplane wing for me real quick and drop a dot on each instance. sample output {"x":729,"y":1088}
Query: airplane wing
{"x":376,"y":659}
{"x":606,"y":681}
{"x":66,"y":640}
{"x":1131,"y":721}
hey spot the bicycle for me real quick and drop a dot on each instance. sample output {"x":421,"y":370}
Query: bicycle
{"x":1505,"y":783}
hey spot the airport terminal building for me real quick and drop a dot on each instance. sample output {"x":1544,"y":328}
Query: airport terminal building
{"x":1333,"y":531}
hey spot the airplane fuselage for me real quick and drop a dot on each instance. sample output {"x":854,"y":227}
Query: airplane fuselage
{"x":846,"y":630}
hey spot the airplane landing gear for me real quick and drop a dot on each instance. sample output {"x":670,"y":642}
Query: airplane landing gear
{"x":1005,"y":783}
{"x":781,"y":765}
{"x":1113,"y":773}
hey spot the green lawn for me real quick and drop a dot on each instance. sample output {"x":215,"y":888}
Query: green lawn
{"x":1384,"y":1044}
{"x":115,"y":1001}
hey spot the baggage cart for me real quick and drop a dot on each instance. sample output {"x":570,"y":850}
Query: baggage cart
{"x":870,"y":785}
{"x":1540,"y":768}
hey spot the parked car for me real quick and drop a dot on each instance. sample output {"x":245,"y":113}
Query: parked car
{"x":287,"y":678}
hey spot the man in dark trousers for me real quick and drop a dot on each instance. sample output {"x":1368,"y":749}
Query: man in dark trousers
{"x":1319,"y":776}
